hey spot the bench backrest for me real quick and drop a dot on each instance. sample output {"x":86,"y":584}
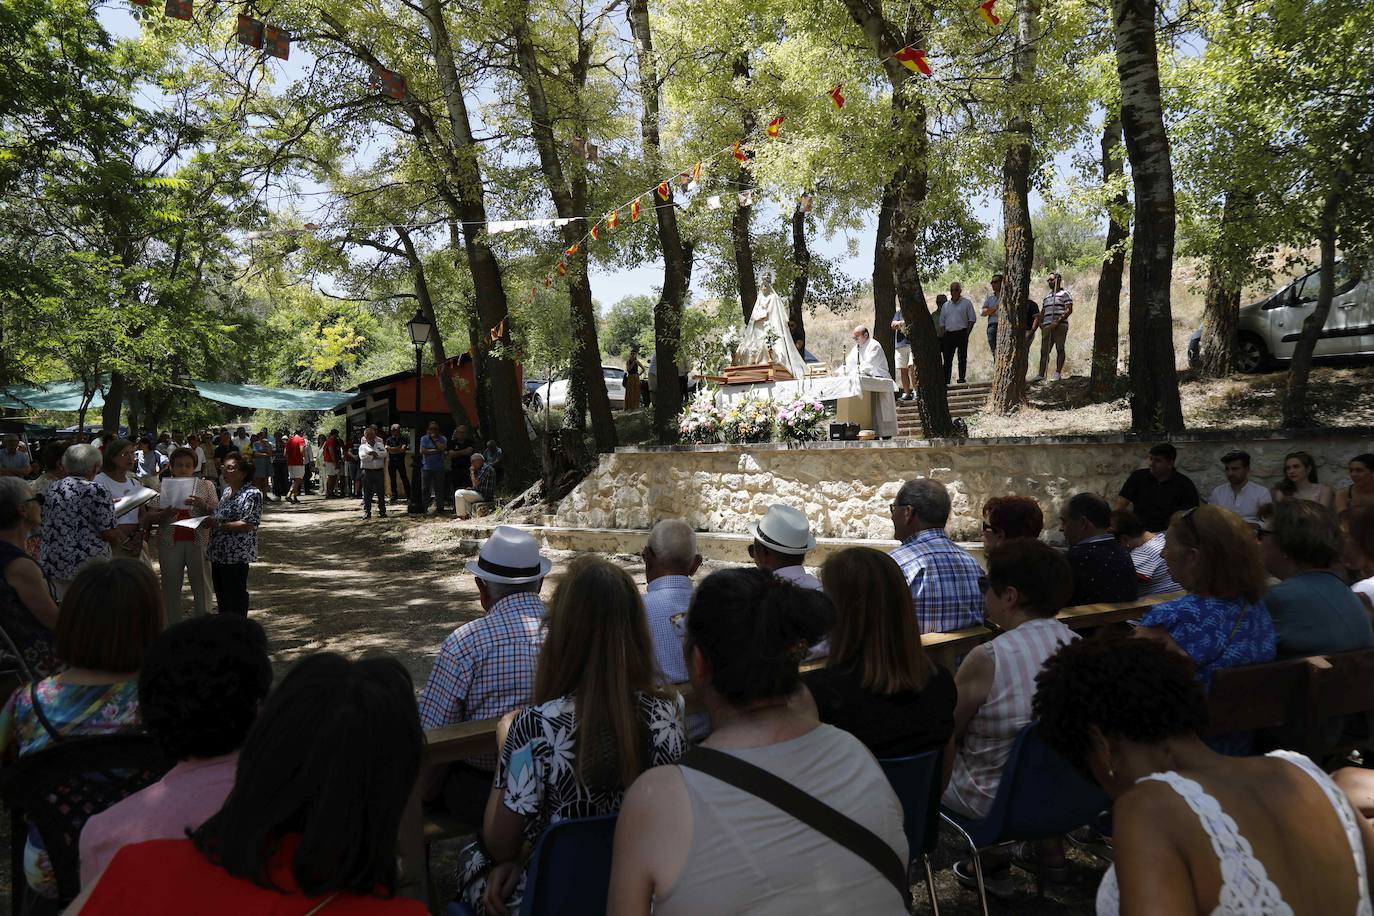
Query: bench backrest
{"x":1251,"y":697}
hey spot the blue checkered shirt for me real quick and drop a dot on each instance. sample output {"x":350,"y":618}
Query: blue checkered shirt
{"x":486,"y":667}
{"x":944,"y":581}
{"x":666,"y":598}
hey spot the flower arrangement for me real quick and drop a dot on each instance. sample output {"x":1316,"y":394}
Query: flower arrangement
{"x":749,"y":420}
{"x":700,"y":422}
{"x":801,"y":420}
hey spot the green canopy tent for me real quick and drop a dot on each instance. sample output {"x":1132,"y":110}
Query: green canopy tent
{"x":66,"y":397}
{"x":62,"y":397}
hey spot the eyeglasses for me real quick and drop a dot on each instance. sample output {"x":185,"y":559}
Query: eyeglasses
{"x":988,"y":529}
{"x":893,"y":507}
{"x":751,"y":550}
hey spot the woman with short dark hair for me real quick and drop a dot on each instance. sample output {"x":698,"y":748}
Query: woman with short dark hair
{"x":877,"y":683}
{"x":28,"y":613}
{"x":312,"y":819}
{"x":688,"y":842}
{"x":595,"y":687}
{"x":233,"y":524}
{"x":1195,"y":831}
{"x":117,"y":477}
{"x":109,"y":616}
{"x":1006,"y":517}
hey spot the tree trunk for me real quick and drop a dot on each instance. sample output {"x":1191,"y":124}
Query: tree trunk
{"x":884,"y":288}
{"x":909,"y":187}
{"x":1296,"y":414}
{"x":136,"y":400}
{"x":586,"y":384}
{"x":801,"y":264}
{"x":436,"y":339}
{"x":741,"y":219}
{"x":668,"y":394}
{"x":1018,"y":236}
{"x":464,"y":192}
{"x":1154,"y":379}
{"x":114,"y":400}
{"x":1107,"y":323}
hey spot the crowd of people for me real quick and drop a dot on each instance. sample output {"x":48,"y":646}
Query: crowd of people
{"x":273,"y":793}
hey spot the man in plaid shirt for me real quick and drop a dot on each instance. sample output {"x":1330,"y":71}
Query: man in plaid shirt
{"x":945,"y":579}
{"x":486,"y":667}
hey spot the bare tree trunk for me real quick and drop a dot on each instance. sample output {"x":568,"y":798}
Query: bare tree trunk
{"x":743,"y":216}
{"x":884,"y":286}
{"x":586,"y":384}
{"x":801,"y":264}
{"x":1018,"y":236}
{"x":1154,"y":379}
{"x":114,"y":400}
{"x":668,"y":394}
{"x":1296,"y":414}
{"x":909,"y":187}
{"x":1106,"y":324}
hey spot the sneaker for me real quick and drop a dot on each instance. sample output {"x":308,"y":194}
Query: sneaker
{"x":1058,"y":377}
{"x":997,"y":882}
{"x":1025,"y":857}
{"x":1039,"y":378}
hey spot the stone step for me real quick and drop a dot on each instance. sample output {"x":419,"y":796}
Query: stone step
{"x":726,"y":546}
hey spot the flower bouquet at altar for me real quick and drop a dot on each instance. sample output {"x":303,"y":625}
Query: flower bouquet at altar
{"x":700,"y":422}
{"x":801,"y":420}
{"x":748,"y":420}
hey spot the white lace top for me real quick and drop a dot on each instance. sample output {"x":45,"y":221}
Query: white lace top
{"x":1245,"y":886}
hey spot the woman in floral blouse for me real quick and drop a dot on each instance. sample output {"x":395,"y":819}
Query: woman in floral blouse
{"x":110,"y":615}
{"x":596,"y":722}
{"x":233,"y":534}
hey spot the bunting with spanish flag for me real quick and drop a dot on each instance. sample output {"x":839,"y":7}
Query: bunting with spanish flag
{"x":836,"y":98}
{"x":775,"y":127}
{"x":613,"y":220}
{"x":664,"y":191}
{"x":739,"y":153}
{"x":985,"y":9}
{"x":914,"y":59}
{"x":596,"y":232}
{"x":634,"y":211}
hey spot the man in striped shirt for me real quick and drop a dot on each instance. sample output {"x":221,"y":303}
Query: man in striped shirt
{"x":1055,"y":310}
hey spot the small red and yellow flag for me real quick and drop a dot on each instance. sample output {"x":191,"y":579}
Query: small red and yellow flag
{"x":613,"y":220}
{"x":596,"y":232}
{"x":775,"y":127}
{"x":985,"y":10}
{"x":500,"y":330}
{"x":548,"y":281}
{"x":571,"y":251}
{"x":739,"y":153}
{"x":664,"y":191}
{"x":836,"y":98}
{"x":914,"y":59}
{"x":634,"y":211}
{"x":696,"y":171}
{"x":562,"y":268}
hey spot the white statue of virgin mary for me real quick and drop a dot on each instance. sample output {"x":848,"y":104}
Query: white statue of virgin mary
{"x":766,"y":335}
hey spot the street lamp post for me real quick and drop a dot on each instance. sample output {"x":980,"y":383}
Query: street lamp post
{"x":420,"y":329}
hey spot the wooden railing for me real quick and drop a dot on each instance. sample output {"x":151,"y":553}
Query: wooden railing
{"x":469,"y":739}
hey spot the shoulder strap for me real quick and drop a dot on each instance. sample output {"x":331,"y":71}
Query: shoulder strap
{"x":806,"y":808}
{"x":53,"y":733}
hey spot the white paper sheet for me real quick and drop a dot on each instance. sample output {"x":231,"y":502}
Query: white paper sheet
{"x":133,"y":501}
{"x":192,"y":523}
{"x":175,"y":492}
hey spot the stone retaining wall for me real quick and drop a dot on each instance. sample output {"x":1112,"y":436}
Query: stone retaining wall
{"x":845,"y":488}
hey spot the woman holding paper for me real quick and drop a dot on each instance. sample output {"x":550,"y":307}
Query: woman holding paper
{"x":117,"y":477}
{"x":233,"y":534}
{"x":181,"y":547}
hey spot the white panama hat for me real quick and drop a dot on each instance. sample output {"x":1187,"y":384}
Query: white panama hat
{"x":785,"y":530}
{"x":510,"y":557}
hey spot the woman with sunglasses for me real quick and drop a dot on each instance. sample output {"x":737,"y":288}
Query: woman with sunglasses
{"x":1222,"y":621}
{"x":28,"y":613}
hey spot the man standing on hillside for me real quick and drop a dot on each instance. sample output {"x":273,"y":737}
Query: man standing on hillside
{"x":990,"y":304}
{"x":957,"y":318}
{"x":1055,"y":310}
{"x":901,"y":351}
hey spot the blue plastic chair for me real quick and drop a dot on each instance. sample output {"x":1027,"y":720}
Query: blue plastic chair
{"x":1039,"y":796}
{"x":916,"y":780}
{"x":570,"y":871}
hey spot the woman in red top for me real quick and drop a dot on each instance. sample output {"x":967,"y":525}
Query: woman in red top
{"x":310,"y":825}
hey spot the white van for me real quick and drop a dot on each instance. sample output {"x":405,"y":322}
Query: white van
{"x":1269,"y":329}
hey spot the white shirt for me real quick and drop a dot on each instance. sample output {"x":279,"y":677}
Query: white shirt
{"x":991,"y":302}
{"x":798,"y":576}
{"x":372,"y":457}
{"x":119,"y":491}
{"x":1246,"y":503}
{"x":958,"y":314}
{"x":868,"y":359}
{"x":240,"y":442}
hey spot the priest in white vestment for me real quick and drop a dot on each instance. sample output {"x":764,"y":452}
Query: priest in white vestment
{"x":868,"y":359}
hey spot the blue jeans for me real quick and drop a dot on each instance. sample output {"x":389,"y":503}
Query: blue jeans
{"x":992,"y":339}
{"x":432,"y":482}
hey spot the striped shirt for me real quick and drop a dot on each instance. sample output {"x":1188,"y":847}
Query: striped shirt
{"x":944,"y":580}
{"x":486,"y":667}
{"x":1151,"y":570}
{"x":1017,"y":657}
{"x":667,"y":598}
{"x":1053,"y":306}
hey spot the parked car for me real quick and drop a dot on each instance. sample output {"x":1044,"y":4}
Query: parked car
{"x":1269,"y":329}
{"x":532,"y":386}
{"x":555,"y":394}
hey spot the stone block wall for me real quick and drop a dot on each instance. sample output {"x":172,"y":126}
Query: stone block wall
{"x":845,"y":488}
